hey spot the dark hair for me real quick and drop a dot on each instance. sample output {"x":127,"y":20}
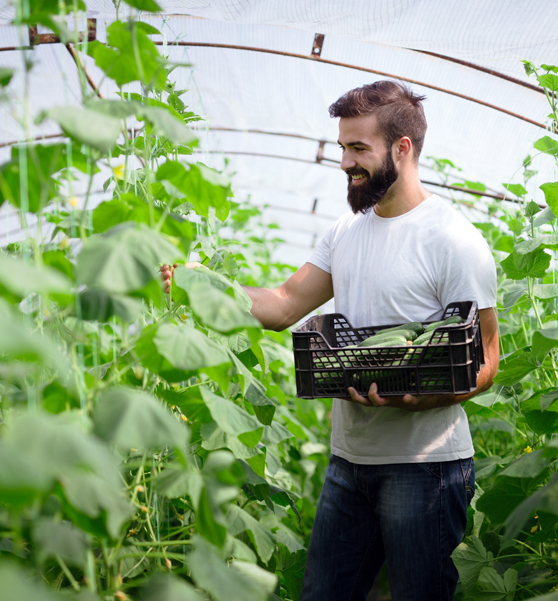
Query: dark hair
{"x":397,"y":109}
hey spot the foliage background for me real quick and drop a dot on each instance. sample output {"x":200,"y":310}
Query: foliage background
{"x":133,"y":465}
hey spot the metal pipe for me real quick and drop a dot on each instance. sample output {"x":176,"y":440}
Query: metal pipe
{"x":356,"y":67}
{"x":324,"y":162}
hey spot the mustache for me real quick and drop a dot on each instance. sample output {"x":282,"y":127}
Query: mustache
{"x":356,"y":171}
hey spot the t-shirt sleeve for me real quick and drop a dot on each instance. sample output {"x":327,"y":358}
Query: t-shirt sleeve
{"x":321,"y":257}
{"x":467,"y":270}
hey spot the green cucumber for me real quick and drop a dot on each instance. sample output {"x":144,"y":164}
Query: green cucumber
{"x":424,"y":339}
{"x":415,"y":326}
{"x":374,"y":342}
{"x":453,"y":320}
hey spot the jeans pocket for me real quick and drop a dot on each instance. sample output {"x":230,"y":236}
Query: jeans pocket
{"x":432,"y":468}
{"x":468,"y":472}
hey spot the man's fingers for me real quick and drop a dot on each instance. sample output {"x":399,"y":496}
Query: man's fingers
{"x":374,"y":397}
{"x":410,"y":400}
{"x":355,"y":396}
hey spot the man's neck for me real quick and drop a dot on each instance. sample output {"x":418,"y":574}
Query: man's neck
{"x":402,"y":197}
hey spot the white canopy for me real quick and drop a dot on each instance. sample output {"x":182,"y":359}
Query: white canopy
{"x":265,"y":92}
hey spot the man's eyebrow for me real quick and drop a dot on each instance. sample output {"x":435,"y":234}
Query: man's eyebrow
{"x":356,"y":143}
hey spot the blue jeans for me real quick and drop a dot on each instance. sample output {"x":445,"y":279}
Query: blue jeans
{"x":410,"y":515}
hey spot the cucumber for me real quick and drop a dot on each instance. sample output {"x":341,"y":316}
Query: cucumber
{"x":415,"y":326}
{"x":424,"y":339}
{"x":453,"y":320}
{"x":396,"y":340}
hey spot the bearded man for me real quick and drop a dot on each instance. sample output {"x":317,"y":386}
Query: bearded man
{"x":401,"y":473}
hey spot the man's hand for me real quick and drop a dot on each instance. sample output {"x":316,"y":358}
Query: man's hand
{"x":407,"y":402}
{"x":167,"y":272}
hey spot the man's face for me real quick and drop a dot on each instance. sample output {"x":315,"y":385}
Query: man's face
{"x":367,"y":162}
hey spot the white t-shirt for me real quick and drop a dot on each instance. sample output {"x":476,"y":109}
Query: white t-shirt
{"x":396,"y":270}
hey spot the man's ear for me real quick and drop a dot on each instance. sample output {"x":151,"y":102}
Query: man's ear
{"x":403,"y":148}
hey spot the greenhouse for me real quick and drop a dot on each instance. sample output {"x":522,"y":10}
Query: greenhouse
{"x":258,"y":340}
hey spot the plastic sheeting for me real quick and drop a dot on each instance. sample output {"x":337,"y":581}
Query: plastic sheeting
{"x":243,"y":91}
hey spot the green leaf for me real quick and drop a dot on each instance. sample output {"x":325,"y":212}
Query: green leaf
{"x":175,"y":483}
{"x":54,"y":538}
{"x":513,"y":370}
{"x":241,"y":521}
{"x":516,"y":189}
{"x":125,"y":258}
{"x":545,"y":291}
{"x":119,"y":61}
{"x":98,"y":305}
{"x":551,"y":195}
{"x":291,"y":568}
{"x":19,"y":278}
{"x":504,"y":496}
{"x":543,"y":422}
{"x":470,"y":557}
{"x":549,"y":81}
{"x":492,"y":587}
{"x":188,"y":349}
{"x":18,"y":584}
{"x":544,"y":341}
{"x":229,"y":583}
{"x":199,"y":185}
{"x":547,"y":145}
{"x":85,"y":126}
{"x":529,"y":465}
{"x":5,"y":76}
{"x":93,"y":505}
{"x":149,"y":6}
{"x":57,"y":260}
{"x":167,"y":587}
{"x":544,"y":499}
{"x":549,"y":241}
{"x":532,"y":208}
{"x":232,"y":419}
{"x":21,"y":479}
{"x":218,"y":310}
{"x":129,"y":418}
{"x":521,"y":265}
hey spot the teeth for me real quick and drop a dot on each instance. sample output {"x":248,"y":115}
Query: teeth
{"x":357,"y":176}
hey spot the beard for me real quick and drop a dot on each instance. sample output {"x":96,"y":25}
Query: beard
{"x":362,"y":197}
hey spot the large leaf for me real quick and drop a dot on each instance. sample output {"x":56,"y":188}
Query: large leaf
{"x":547,"y":145}
{"x":17,"y":584}
{"x":241,"y":521}
{"x":551,"y":196}
{"x":130,"y":208}
{"x":125,"y":258}
{"x":41,"y":164}
{"x":169,"y":588}
{"x":86,"y":126}
{"x":19,"y":278}
{"x":98,"y":305}
{"x":515,"y":369}
{"x":470,"y":557}
{"x":54,"y":538}
{"x":132,"y":419}
{"x":218,"y":310}
{"x":163,"y":120}
{"x":188,"y":349}
{"x":533,"y":264}
{"x":545,"y":291}
{"x":129,"y":55}
{"x":549,"y":241}
{"x":201,"y":186}
{"x":229,"y":583}
{"x":544,"y":499}
{"x":493,"y":587}
{"x":529,"y":465}
{"x":504,"y":496}
{"x":544,"y":341}
{"x":232,"y":419}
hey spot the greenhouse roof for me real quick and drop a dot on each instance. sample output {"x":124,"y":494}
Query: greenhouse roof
{"x":265,"y":72}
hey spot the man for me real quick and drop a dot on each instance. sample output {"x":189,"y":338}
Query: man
{"x":401,"y":474}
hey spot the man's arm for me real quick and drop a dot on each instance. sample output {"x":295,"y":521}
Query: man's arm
{"x":488,"y":319}
{"x":306,"y":290}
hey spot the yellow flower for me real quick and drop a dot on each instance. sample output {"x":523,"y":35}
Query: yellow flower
{"x":64,"y":242}
{"x":121,"y":595}
{"x":183,"y":418}
{"x":528,"y":449}
{"x":74,"y":201}
{"x":118,"y":172}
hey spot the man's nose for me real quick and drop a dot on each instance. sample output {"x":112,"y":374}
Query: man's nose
{"x":347,"y":162}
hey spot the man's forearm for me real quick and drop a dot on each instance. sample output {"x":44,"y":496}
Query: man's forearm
{"x":269,"y":307}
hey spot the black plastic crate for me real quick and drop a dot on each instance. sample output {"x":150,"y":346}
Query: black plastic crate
{"x":326,"y":368}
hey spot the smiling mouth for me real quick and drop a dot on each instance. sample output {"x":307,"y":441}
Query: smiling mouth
{"x":357,"y":179}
